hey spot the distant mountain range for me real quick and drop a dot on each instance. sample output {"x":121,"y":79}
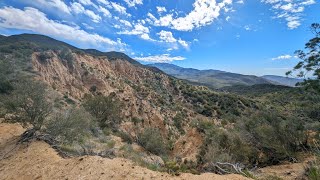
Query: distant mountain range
{"x":220,"y":79}
{"x":283,"y":80}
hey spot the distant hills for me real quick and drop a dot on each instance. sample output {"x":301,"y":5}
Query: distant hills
{"x":220,"y":79}
{"x":282,"y":80}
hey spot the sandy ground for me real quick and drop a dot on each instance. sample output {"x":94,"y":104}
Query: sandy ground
{"x":39,"y":161}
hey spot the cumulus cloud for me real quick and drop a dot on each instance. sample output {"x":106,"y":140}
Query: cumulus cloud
{"x":168,"y":37}
{"x":119,"y":8}
{"x":289,"y":10}
{"x":86,"y":2}
{"x":132,"y":3}
{"x":161,"y":9}
{"x":79,"y":9}
{"x":51,"y":4}
{"x":160,"y":58}
{"x":105,"y":2}
{"x":36,"y":21}
{"x":204,"y":13}
{"x":284,"y":57}
{"x":104,"y":11}
{"x":125,"y":22}
{"x":139,"y":30}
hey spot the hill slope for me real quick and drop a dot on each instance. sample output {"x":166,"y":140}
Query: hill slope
{"x":286,"y":81}
{"x":210,"y":78}
{"x":39,"y":160}
{"x":161,"y":118}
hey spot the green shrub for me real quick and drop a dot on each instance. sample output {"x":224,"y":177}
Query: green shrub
{"x":106,"y":109}
{"x":69,"y":126}
{"x":125,"y":136}
{"x":178,"y":120}
{"x":152,"y":140}
{"x":29,"y":102}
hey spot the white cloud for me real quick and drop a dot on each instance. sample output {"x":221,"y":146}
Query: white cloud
{"x":204,"y":13}
{"x":166,"y":36}
{"x":284,"y":57}
{"x":289,"y":10}
{"x":105,"y":2}
{"x":146,"y":36}
{"x":160,"y":58}
{"x":104,"y":11}
{"x":132,"y":3}
{"x":183,"y":43}
{"x":247,"y":27}
{"x":79,"y":9}
{"x":119,"y":8}
{"x":95,"y":18}
{"x":34,"y":20}
{"x":228,"y":18}
{"x":139,"y":30}
{"x":86,"y":2}
{"x":125,"y":22}
{"x":54,"y":4}
{"x":161,"y":9}
{"x":240,"y":2}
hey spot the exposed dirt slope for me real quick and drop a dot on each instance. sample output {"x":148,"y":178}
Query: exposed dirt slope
{"x":40,"y":161}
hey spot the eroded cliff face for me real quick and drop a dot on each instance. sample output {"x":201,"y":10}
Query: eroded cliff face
{"x":144,"y":93}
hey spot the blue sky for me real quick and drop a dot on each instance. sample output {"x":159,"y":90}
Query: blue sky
{"x":244,"y":36}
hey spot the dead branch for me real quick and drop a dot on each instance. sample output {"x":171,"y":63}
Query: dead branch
{"x":237,"y":168}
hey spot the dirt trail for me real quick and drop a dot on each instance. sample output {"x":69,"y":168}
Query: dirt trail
{"x":40,"y":161}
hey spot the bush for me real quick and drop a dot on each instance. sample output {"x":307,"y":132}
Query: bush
{"x":178,"y":120}
{"x":5,"y":87}
{"x":106,"y":109}
{"x":44,"y":56}
{"x":152,"y":140}
{"x":29,"y":103}
{"x":125,"y":137}
{"x":69,"y":126}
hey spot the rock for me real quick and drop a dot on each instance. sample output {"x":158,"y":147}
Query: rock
{"x":153,"y":159}
{"x":9,"y":117}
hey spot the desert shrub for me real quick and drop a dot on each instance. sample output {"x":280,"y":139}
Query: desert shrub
{"x":136,"y":120}
{"x":93,"y":89}
{"x":152,"y":140}
{"x":313,"y":171}
{"x":29,"y":103}
{"x":6,"y":71}
{"x":67,"y":58}
{"x":178,"y":120}
{"x":70,"y":125}
{"x":106,"y":109}
{"x":125,"y":136}
{"x":225,"y":146}
{"x":277,"y":137}
{"x":44,"y":56}
{"x":5,"y":87}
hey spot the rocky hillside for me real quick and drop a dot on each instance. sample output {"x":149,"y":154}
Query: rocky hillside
{"x":157,"y":121}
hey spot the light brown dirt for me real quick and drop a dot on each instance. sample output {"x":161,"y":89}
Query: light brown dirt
{"x":39,"y":161}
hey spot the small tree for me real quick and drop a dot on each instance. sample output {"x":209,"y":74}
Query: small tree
{"x":310,"y":60}
{"x":29,"y":103}
{"x":106,"y":109}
